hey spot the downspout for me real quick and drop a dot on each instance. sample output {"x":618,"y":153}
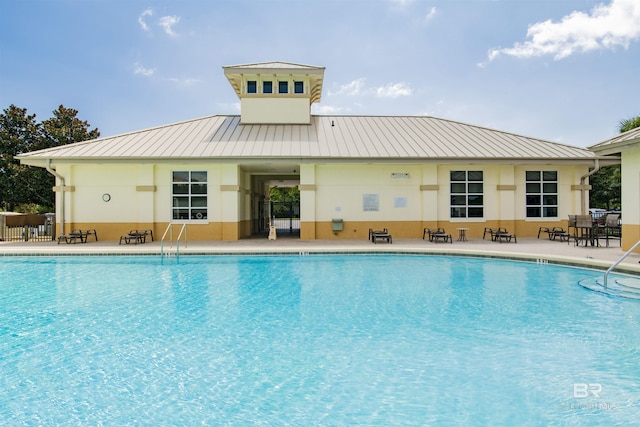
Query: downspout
{"x":583,"y":189}
{"x":62,"y":191}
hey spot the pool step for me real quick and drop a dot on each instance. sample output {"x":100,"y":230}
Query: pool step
{"x":628,"y":287}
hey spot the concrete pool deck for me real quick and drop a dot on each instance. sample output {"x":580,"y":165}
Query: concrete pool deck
{"x":531,"y":249}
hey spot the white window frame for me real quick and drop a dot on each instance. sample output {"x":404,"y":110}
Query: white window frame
{"x":470,"y":193}
{"x":187,"y":196}
{"x":544,"y":193}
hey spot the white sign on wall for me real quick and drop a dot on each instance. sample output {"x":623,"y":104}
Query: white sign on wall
{"x":400,"y":202}
{"x":370,"y":202}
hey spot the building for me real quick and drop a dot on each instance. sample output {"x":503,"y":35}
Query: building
{"x":627,"y":146}
{"x":353,"y":172}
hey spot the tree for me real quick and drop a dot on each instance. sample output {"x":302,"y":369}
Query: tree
{"x":606,"y":188}
{"x":628,"y":124}
{"x":19,"y":133}
{"x":606,"y":183}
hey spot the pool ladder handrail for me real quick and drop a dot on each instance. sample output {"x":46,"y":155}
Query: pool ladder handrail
{"x":615,"y":264}
{"x":169,"y":230}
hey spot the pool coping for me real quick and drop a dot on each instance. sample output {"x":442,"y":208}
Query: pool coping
{"x":536,"y":251}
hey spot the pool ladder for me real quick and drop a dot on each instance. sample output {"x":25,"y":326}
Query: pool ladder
{"x":615,"y":264}
{"x":169,"y":231}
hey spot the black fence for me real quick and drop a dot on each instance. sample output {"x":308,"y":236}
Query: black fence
{"x":27,"y":227}
{"x":285,"y":216}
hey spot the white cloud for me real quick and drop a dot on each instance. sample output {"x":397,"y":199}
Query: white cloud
{"x":606,"y":27}
{"x":357,"y":88}
{"x":326,"y":109}
{"x":167,"y":23}
{"x":139,"y":69}
{"x":350,"y":89}
{"x":183,"y":82}
{"x":432,"y":12}
{"x":393,"y":90}
{"x":401,"y":3}
{"x":141,"y":19}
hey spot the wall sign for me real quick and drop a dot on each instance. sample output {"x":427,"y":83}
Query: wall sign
{"x":370,"y":202}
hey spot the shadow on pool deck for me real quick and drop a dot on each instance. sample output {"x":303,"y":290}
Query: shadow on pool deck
{"x":526,"y":248}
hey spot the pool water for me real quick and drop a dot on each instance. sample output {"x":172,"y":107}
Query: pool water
{"x":312,"y":340}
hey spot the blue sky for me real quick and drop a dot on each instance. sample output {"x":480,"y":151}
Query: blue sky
{"x":562,"y":70}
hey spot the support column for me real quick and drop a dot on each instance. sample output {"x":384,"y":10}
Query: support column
{"x":230,"y":189}
{"x":307,"y":189}
{"x":506,"y":189}
{"x":146,"y":190}
{"x":429,"y":190}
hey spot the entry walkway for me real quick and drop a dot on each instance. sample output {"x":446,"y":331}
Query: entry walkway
{"x":542,"y":250}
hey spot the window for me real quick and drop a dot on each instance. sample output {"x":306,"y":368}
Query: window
{"x":267,"y":87}
{"x":467,"y":198}
{"x":189,"y":191}
{"x":298,"y":87}
{"x":542,"y":194}
{"x":252,"y":86}
{"x":283,"y":87}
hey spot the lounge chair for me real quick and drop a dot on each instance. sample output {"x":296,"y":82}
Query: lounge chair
{"x":136,"y":236}
{"x":375,"y":235}
{"x":493,"y":232}
{"x":437,"y":235}
{"x":502,"y":235}
{"x":76,"y":236}
{"x":559,"y":232}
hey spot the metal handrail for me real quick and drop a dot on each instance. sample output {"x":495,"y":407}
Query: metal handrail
{"x":615,"y":264}
{"x":170,"y":231}
{"x":183,"y":229}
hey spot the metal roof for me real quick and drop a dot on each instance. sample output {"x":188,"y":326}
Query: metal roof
{"x":618,"y":142}
{"x":326,"y":137}
{"x":275,"y":65}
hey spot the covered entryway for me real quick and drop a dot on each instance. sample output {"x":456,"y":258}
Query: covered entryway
{"x":276,"y":202}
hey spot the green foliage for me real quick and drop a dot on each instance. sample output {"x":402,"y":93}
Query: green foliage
{"x":605,"y":188}
{"x":284,"y":194}
{"x":22,"y":186}
{"x":628,"y":124}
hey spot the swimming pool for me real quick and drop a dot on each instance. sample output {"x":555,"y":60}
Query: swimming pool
{"x":312,"y":340}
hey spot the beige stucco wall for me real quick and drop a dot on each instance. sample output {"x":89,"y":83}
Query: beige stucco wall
{"x":630,"y":171}
{"x":141,"y":198}
{"x":290,"y":109}
{"x":410,"y":197}
{"x":420,"y":198}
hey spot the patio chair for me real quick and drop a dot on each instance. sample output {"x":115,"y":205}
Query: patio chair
{"x":438,"y":235}
{"x":585,"y":231}
{"x":612,"y":229}
{"x":375,"y":235}
{"x":502,"y":235}
{"x":76,"y":236}
{"x":492,"y":232}
{"x":136,"y":236}
{"x":428,"y":232}
{"x":558,"y":232}
{"x":571,"y":224}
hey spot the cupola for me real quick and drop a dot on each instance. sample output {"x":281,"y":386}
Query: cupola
{"x":275,"y":92}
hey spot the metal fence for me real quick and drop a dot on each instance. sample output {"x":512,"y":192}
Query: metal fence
{"x":285,"y":216}
{"x":27,"y":227}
